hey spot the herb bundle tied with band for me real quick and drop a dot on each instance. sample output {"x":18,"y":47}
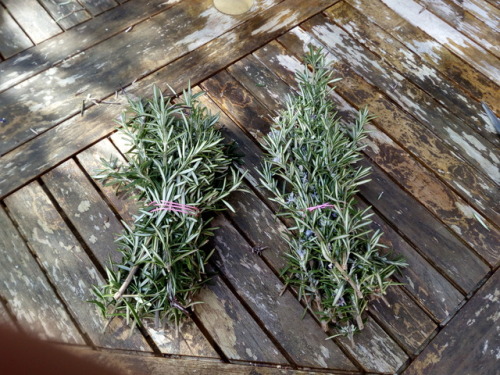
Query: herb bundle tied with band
{"x":182,"y":171}
{"x":335,"y":262}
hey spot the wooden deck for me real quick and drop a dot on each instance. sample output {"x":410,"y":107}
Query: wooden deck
{"x":422,"y":66}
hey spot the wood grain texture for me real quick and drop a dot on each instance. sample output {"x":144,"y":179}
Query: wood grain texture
{"x":96,"y":7}
{"x":482,"y":10}
{"x":468,"y":111}
{"x":378,"y":73}
{"x":33,"y":18}
{"x":76,"y":40}
{"x":456,"y":213}
{"x":86,"y":210}
{"x":51,"y":97}
{"x":5,"y":319}
{"x":432,"y":52}
{"x":12,"y":38}
{"x":31,"y":159}
{"x":66,"y":13}
{"x":284,"y":64}
{"x":90,"y":159}
{"x":420,"y":142}
{"x":303,"y":339}
{"x":134,"y":365}
{"x":470,"y":343}
{"x":465,"y":22}
{"x":450,"y":38}
{"x":68,"y":267}
{"x":26,"y":289}
{"x":404,"y":319}
{"x":232,"y":327}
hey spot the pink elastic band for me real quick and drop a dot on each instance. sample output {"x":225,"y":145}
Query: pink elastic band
{"x":175,"y":207}
{"x":324,"y":205}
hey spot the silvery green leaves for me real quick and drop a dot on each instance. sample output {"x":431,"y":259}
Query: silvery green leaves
{"x":176,"y":155}
{"x":335,"y":262}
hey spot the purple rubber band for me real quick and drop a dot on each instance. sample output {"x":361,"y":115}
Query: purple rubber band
{"x":175,"y":207}
{"x":324,"y":205}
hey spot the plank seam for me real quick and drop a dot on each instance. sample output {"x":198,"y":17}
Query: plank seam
{"x":72,"y":318}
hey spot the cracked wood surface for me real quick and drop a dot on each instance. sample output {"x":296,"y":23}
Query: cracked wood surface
{"x":434,"y":160}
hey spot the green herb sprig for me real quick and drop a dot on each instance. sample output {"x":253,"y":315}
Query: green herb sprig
{"x":176,"y":154}
{"x":335,"y":263}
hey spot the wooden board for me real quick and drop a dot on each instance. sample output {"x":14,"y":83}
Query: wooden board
{"x":96,"y":7}
{"x":134,"y":365}
{"x":465,"y":22}
{"x":450,"y":38}
{"x":5,"y":318}
{"x":469,"y":344}
{"x":51,"y":97}
{"x":408,"y":324}
{"x":92,"y":218}
{"x":431,"y":52}
{"x":489,"y":14}
{"x":37,"y":308}
{"x":418,"y":141}
{"x":90,"y":159}
{"x":275,"y":57}
{"x":378,"y":73}
{"x":66,"y":13}
{"x":31,"y":159}
{"x":409,"y":64}
{"x":12,"y":37}
{"x":232,"y":327}
{"x":457,"y":214}
{"x":302,"y":339}
{"x":65,"y":45}
{"x":68,"y":267}
{"x":218,"y":312}
{"x":33,"y":18}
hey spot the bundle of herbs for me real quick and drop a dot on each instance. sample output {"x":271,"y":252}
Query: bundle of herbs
{"x":182,"y":171}
{"x":335,"y":261}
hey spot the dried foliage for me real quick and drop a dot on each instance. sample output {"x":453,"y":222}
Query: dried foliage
{"x":335,"y":262}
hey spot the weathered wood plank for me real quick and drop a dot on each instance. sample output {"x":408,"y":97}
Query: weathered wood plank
{"x":12,"y":37}
{"x":65,"y":45}
{"x":378,"y":73}
{"x":45,"y":100}
{"x":68,"y":267}
{"x":256,"y":228}
{"x":82,"y":204}
{"x":5,"y":319}
{"x":468,"y":111}
{"x":260,"y":225}
{"x":96,"y":7}
{"x":280,"y":61}
{"x":33,"y":18}
{"x":418,"y":141}
{"x":227,"y":322}
{"x":133,"y":365}
{"x":482,"y":10}
{"x":32,"y":300}
{"x":470,"y":343}
{"x":450,"y":38}
{"x":404,"y":319}
{"x":430,"y":51}
{"x":303,"y":339}
{"x":31,"y":159}
{"x":463,"y":21}
{"x":232,"y":327}
{"x":90,"y":159}
{"x":66,"y":13}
